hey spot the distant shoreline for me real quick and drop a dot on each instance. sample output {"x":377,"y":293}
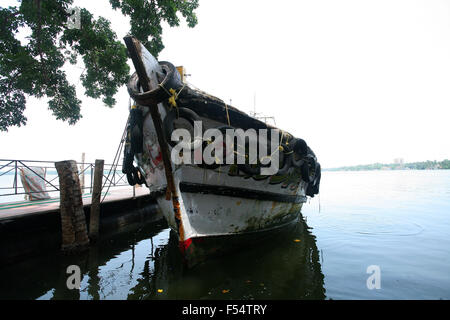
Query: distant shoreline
{"x":424,"y":165}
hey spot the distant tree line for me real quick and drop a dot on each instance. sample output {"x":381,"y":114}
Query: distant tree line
{"x":424,"y":165}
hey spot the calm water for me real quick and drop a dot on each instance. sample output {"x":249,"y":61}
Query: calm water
{"x":396,"y":220}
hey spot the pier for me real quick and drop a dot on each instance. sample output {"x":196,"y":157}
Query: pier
{"x":30,"y":228}
{"x":24,"y":208}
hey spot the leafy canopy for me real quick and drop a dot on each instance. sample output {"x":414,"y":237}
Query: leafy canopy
{"x":34,"y":67}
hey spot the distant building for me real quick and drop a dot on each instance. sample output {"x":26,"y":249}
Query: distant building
{"x":398,"y":163}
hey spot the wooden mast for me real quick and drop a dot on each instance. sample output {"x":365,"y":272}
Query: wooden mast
{"x":149,"y":82}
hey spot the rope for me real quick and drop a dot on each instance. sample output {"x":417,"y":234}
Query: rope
{"x":173,"y":94}
{"x":173,"y":97}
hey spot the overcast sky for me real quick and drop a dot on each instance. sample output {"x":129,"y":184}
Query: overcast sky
{"x":360,"y":81}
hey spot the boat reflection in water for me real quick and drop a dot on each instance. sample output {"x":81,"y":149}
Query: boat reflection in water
{"x":147,"y":264}
{"x":285,"y":266}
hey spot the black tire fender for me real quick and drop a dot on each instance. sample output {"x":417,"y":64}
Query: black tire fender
{"x":287,"y":162}
{"x":131,"y":178}
{"x":308,"y":169}
{"x":250,"y":169}
{"x":135,"y":176}
{"x":136,"y":134}
{"x":300,"y":149}
{"x":168,"y":125}
{"x":171,"y":80}
{"x":313,"y":188}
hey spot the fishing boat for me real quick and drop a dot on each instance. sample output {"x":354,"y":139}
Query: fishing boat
{"x":209,"y":204}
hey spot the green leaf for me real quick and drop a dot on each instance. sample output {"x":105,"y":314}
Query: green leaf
{"x":34,"y":68}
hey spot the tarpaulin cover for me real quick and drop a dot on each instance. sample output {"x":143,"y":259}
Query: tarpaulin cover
{"x":33,"y":183}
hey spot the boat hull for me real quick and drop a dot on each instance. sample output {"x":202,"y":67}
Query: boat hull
{"x":200,"y":249}
{"x":205,"y":202}
{"x":215,"y":207}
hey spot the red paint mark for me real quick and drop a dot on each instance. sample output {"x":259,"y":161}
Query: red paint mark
{"x":158,"y":159}
{"x":184,"y":245}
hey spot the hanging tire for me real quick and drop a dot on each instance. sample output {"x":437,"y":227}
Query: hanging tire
{"x":135,"y":176}
{"x":131,"y":179}
{"x":308,"y":169}
{"x":287,"y":161}
{"x":170,"y":80}
{"x":287,"y":148}
{"x":136,"y":127}
{"x":223,"y":129}
{"x":127,"y":162}
{"x":300,"y":149}
{"x":140,"y":177}
{"x":204,"y":165}
{"x":284,"y":160}
{"x":248,"y":168}
{"x":313,"y":188}
{"x":168,"y":125}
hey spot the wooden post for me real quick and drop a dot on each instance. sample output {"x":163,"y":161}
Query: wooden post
{"x":73,"y":222}
{"x":95,"y":205}
{"x":135,"y":50}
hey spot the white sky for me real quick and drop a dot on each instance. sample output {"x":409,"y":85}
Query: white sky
{"x":360,"y":81}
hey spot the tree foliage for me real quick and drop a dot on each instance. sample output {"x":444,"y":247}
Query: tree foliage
{"x":34,"y":66}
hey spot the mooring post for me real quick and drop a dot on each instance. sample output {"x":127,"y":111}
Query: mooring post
{"x":73,"y":222}
{"x":95,"y":205}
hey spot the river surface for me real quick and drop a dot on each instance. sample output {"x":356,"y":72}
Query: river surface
{"x":370,"y":235}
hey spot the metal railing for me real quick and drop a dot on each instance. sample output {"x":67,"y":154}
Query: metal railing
{"x":112,"y":176}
